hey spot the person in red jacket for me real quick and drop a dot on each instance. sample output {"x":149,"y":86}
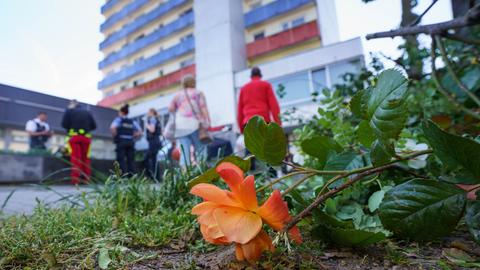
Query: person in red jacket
{"x":257,"y":98}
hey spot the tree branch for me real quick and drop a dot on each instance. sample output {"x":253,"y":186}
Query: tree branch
{"x":450,"y":70}
{"x":417,"y":21}
{"x":471,"y":18}
{"x":440,"y":87}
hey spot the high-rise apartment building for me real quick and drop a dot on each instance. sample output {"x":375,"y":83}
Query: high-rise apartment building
{"x":150,"y":45}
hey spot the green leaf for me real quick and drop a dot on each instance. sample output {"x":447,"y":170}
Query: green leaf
{"x":266,"y":141}
{"x":103,"y":258}
{"x":358,"y":103}
{"x":344,"y":161}
{"x":472,"y":218}
{"x":211,"y":174}
{"x":320,"y":147}
{"x":347,"y":236}
{"x":365,"y":134}
{"x":422,"y":209}
{"x":376,"y":198}
{"x":386,"y":109}
{"x":453,"y":150}
{"x":379,"y":155}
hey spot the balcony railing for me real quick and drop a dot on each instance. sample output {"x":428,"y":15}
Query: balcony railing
{"x":108,"y":5}
{"x":283,"y":39}
{"x":148,"y":87}
{"x":141,"y":21}
{"x":175,"y":51}
{"x":123,"y":13}
{"x":273,"y":9}
{"x":175,"y":26}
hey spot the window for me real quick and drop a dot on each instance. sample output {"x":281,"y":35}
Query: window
{"x":160,"y":73}
{"x":160,"y":26}
{"x":186,"y":12}
{"x":161,"y":49}
{"x":285,"y":26}
{"x":187,"y":62}
{"x":184,"y":38}
{"x":319,"y":80}
{"x":294,"y":87}
{"x":298,"y":21}
{"x":109,"y":93}
{"x":138,"y":59}
{"x":140,"y":37}
{"x":123,"y":87}
{"x":255,"y":5}
{"x":137,"y":82}
{"x":337,"y":71}
{"x":125,"y":45}
{"x":259,"y":35}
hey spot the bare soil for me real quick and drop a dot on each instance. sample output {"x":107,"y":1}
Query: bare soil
{"x":457,"y":251}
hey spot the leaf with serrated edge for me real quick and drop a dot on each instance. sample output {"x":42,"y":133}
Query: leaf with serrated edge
{"x":422,"y":209}
{"x":320,"y":147}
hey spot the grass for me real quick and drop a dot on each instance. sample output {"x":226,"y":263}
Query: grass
{"x":105,"y":227}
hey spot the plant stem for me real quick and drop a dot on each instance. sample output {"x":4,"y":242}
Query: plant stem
{"x":280,"y":179}
{"x":296,"y":184}
{"x":440,"y":87}
{"x":361,"y":173}
{"x":450,"y":70}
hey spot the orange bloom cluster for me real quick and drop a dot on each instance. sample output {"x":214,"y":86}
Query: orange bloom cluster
{"x":233,"y":215}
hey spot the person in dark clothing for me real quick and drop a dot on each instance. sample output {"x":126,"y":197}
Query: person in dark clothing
{"x":39,"y":132}
{"x":154,"y":130}
{"x":125,"y":131}
{"x":78,"y":123}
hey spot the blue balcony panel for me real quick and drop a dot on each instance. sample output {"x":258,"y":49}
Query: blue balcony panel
{"x":123,"y":13}
{"x":271,"y":10}
{"x":108,"y":5}
{"x":173,"y":52}
{"x":141,"y":21}
{"x":175,"y":26}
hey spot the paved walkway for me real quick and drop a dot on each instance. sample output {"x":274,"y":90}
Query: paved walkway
{"x":23,"y":199}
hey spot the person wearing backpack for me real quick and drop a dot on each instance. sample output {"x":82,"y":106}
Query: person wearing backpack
{"x":125,"y":130}
{"x":153,"y":130}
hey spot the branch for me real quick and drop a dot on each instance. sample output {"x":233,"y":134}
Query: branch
{"x":461,"y":38}
{"x":471,"y":18}
{"x":423,"y":14}
{"x":440,"y":87}
{"x":360,"y":174}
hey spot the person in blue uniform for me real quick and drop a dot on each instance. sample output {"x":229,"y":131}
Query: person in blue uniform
{"x":153,"y":131}
{"x":125,"y":130}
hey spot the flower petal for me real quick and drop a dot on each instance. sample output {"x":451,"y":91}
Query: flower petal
{"x":214,"y":194}
{"x":275,"y":211}
{"x":213,"y":236}
{"x":237,"y":224}
{"x":203,"y":207}
{"x":231,"y":174}
{"x":253,"y":250}
{"x":247,"y":195}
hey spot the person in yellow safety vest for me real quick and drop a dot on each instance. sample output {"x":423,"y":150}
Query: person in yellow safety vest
{"x":78,"y":123}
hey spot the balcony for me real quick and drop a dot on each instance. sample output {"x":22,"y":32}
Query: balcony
{"x":141,"y":21}
{"x":272,"y":10}
{"x":283,"y":39}
{"x":148,"y":87}
{"x":108,"y":5}
{"x":175,"y":26}
{"x":164,"y":56}
{"x":123,"y":13}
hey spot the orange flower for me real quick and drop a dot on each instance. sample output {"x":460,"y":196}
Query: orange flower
{"x":234,"y":216}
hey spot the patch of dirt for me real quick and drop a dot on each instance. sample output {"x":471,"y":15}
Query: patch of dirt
{"x":452,"y":252}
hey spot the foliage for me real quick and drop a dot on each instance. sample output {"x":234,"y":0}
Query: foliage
{"x":101,"y":227}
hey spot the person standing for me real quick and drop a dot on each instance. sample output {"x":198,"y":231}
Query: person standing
{"x":125,"y":131}
{"x":257,"y":99}
{"x":191,"y":114}
{"x":153,"y":138}
{"x":39,"y":132}
{"x":78,"y":123}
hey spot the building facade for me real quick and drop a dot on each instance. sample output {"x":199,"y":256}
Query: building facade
{"x":150,"y":45}
{"x":18,"y":105}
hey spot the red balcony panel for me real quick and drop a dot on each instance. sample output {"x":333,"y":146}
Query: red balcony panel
{"x":148,"y":87}
{"x":283,"y":39}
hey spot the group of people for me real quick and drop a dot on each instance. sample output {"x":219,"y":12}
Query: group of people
{"x":188,"y":113}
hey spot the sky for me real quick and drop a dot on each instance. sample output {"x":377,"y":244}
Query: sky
{"x":51,"y":46}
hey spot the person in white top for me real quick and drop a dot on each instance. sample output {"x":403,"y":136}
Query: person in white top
{"x":39,"y":131}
